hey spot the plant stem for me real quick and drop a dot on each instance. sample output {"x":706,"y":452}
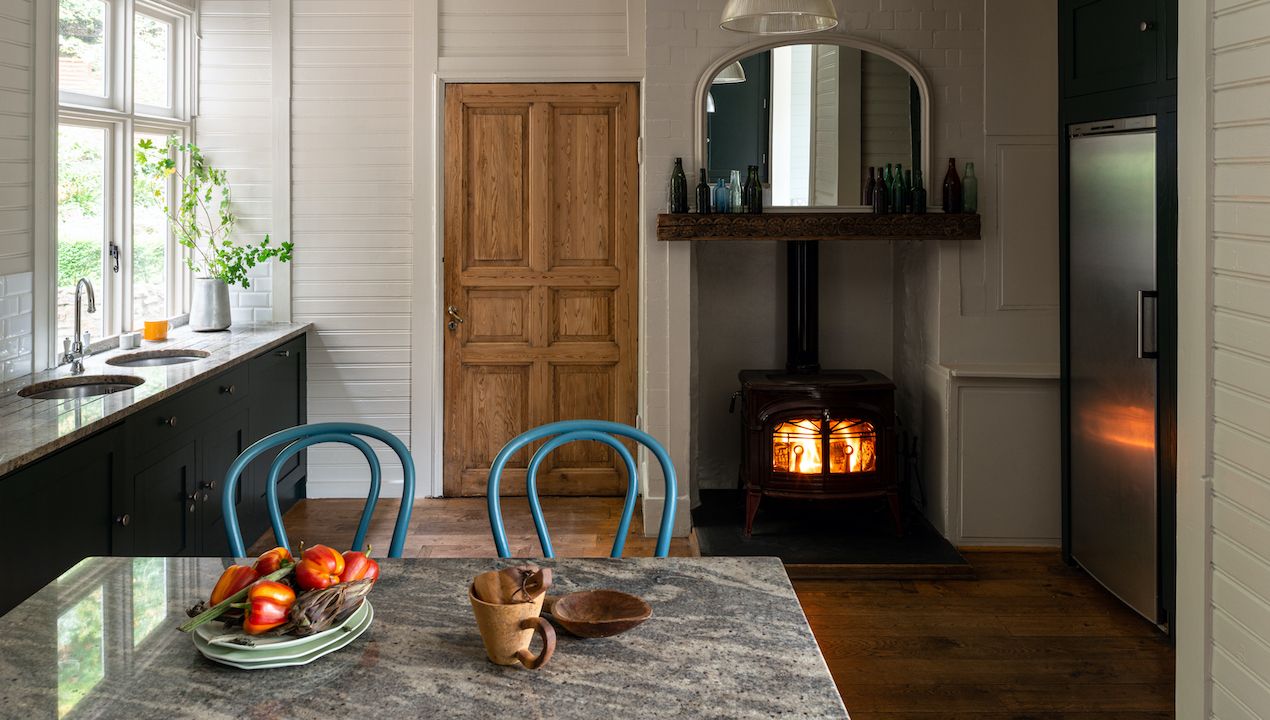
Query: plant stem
{"x":225,"y":605}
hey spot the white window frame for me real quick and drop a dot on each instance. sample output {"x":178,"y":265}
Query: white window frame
{"x":123,"y":120}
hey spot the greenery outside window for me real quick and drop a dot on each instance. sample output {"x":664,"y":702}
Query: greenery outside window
{"x":123,"y":76}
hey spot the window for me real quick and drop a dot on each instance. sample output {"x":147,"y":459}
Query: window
{"x":123,"y":76}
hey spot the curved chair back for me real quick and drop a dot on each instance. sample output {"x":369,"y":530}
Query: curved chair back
{"x":563,"y":433}
{"x":300,"y":437}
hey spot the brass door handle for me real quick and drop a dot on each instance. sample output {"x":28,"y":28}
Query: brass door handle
{"x":455,"y":318}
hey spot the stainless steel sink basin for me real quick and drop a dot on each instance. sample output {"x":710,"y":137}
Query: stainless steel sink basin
{"x":145,"y":358}
{"x":79,"y":387}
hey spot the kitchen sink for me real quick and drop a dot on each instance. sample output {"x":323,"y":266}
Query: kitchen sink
{"x":148,"y":358}
{"x":79,"y":387}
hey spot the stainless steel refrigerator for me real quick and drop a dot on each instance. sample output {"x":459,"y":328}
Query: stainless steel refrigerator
{"x":1112,"y":360}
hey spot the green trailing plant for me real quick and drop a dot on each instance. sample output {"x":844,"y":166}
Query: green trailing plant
{"x":203,"y":220}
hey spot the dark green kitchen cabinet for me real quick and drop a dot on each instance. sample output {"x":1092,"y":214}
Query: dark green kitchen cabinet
{"x":224,"y":440}
{"x":165,"y":507}
{"x":279,"y":403}
{"x":58,"y":511}
{"x":1113,"y":44}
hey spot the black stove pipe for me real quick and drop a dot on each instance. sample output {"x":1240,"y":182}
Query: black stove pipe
{"x":802,"y":284}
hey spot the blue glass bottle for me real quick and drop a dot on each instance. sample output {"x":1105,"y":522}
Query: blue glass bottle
{"x":722,"y":199}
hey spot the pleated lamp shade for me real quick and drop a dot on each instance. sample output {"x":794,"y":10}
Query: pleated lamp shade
{"x":730,"y":75}
{"x":779,"y":17}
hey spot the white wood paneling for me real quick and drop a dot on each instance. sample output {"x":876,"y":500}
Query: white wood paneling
{"x":1240,"y":361}
{"x":235,"y":128}
{"x":17,"y":60}
{"x":353,"y":222}
{"x":512,"y":39}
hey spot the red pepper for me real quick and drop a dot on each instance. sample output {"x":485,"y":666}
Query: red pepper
{"x":358,"y":565}
{"x":272,"y":560}
{"x":320,"y":568}
{"x":268,"y":605}
{"x":235,"y":578}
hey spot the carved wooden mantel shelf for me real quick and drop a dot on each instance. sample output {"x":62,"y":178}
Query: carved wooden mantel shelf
{"x":818,"y":226}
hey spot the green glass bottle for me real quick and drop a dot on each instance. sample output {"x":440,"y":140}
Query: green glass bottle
{"x":678,"y":188}
{"x":897,"y":190}
{"x":752,"y":191}
{"x":970,"y":190}
{"x":919,"y":193}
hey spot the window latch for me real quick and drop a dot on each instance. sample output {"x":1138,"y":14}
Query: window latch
{"x":114,"y":257}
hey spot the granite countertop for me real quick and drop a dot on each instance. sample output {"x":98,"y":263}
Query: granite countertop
{"x":31,"y":429}
{"x":727,"y":639}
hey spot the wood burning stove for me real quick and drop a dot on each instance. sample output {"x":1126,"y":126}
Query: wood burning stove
{"x":812,"y":433}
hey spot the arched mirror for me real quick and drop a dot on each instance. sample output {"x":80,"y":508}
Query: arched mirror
{"x":814,"y":118}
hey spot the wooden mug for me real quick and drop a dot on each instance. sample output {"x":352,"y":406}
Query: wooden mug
{"x":508,"y":629}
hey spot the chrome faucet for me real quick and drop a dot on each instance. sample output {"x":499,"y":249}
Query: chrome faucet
{"x":75,"y":352}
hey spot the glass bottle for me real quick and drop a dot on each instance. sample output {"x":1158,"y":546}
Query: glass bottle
{"x":897,"y":189}
{"x":919,"y":193}
{"x":869,"y":186}
{"x":736,"y":202}
{"x":970,"y":190}
{"x":881,"y":196}
{"x":722,"y":200}
{"x":703,"y":194}
{"x":952,"y":188}
{"x":752,"y":192}
{"x":908,"y":191}
{"x":678,"y":188}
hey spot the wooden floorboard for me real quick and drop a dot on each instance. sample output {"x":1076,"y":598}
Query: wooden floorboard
{"x":1028,"y":638}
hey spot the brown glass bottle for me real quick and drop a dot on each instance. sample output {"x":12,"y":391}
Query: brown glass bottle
{"x":869,"y":186}
{"x":752,"y":191}
{"x":952,"y":188}
{"x":703,"y":194}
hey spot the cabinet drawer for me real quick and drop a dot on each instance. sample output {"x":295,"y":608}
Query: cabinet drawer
{"x":171,"y":418}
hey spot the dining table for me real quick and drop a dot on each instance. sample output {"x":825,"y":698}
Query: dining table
{"x":727,"y":639}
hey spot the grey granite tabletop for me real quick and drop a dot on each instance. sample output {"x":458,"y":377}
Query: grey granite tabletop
{"x":727,"y":639}
{"x":31,"y":429}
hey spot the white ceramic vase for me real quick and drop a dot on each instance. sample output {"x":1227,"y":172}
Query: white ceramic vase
{"x":209,"y":306}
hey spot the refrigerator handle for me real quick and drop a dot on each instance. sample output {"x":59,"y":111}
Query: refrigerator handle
{"x":1148,"y":340}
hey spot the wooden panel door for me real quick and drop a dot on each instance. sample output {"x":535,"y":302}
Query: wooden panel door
{"x":541,"y":258}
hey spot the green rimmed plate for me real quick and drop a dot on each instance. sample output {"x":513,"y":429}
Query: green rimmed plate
{"x":295,"y":651}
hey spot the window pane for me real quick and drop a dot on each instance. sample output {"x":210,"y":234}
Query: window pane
{"x":81,"y":222}
{"x":153,"y":48}
{"x":81,"y":46}
{"x":150,"y":200}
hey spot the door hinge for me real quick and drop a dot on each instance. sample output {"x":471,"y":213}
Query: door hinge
{"x":639,"y":150}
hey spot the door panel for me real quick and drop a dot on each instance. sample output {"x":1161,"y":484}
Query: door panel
{"x":1113,"y":389}
{"x":166,"y":520}
{"x":541,"y":202}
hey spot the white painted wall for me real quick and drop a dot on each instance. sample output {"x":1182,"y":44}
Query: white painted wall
{"x":17,"y":143}
{"x":1223,"y":503}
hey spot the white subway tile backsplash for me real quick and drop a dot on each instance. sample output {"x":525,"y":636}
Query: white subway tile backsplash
{"x":15,"y":326}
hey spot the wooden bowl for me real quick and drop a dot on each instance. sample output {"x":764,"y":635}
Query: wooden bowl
{"x":597,"y":613}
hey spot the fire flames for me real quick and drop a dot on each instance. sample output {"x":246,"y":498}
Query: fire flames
{"x":797,"y":446}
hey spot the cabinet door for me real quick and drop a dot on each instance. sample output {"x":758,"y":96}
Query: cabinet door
{"x":278,"y":404}
{"x":165,"y":520}
{"x":222,"y":440}
{"x":58,"y":512}
{"x":1112,"y":44}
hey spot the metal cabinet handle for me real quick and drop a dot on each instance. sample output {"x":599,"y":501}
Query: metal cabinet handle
{"x":208,"y":484}
{"x":169,"y":421}
{"x":228,"y":389}
{"x":1146,"y":25}
{"x":1148,"y":325}
{"x":283,"y":353}
{"x":123,"y":520}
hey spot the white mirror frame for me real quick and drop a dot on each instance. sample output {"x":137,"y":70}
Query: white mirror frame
{"x":821,"y":38}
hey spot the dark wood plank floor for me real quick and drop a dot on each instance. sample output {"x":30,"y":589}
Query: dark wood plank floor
{"x":1029,"y":639}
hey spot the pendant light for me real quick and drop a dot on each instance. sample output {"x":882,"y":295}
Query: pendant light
{"x":779,"y":17}
{"x":730,"y":75}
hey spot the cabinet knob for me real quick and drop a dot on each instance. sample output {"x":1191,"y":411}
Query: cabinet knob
{"x":227,"y":389}
{"x":205,"y":497}
{"x":123,"y":520}
{"x":208,"y":484}
{"x":169,"y":421}
{"x":283,"y":353}
{"x":1146,"y":25}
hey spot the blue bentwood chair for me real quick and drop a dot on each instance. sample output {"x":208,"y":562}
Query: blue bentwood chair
{"x":301,"y":437}
{"x":563,"y":433}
